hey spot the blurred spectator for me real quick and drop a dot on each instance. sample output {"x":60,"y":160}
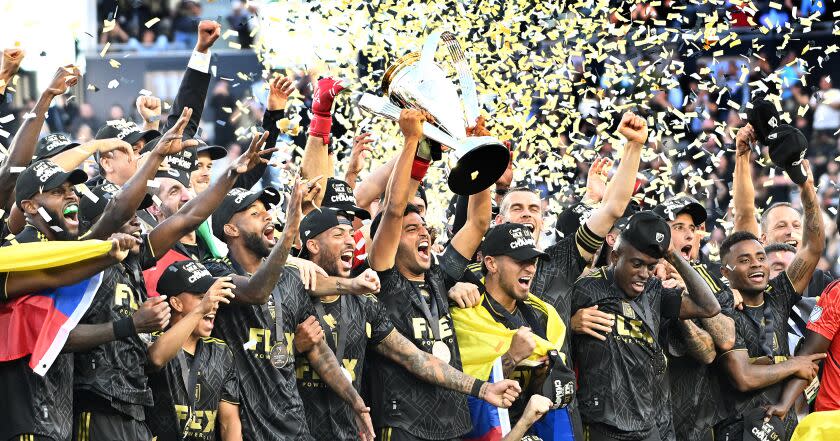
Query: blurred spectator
{"x":116,"y":112}
{"x":86,"y":117}
{"x":185,"y":24}
{"x":221,"y":107}
{"x":241,"y":20}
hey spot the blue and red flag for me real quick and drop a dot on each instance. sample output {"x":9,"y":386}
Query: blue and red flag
{"x":39,"y":324}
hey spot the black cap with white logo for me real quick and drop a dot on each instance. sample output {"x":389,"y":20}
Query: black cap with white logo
{"x":648,"y":233}
{"x":237,"y":200}
{"x":788,"y":147}
{"x":52,"y":145}
{"x":185,"y":160}
{"x":185,"y":276}
{"x":175,"y":173}
{"x":339,"y":195}
{"x":92,"y":204}
{"x":513,"y":240}
{"x":670,"y":209}
{"x":127,"y":131}
{"x":42,"y":176}
{"x":318,"y":221}
{"x":756,"y":429}
{"x":763,"y":117}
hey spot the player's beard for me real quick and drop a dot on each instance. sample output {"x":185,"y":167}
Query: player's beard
{"x":256,"y":243}
{"x":328,"y":262}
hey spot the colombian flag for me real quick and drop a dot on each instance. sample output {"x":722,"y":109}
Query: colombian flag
{"x":39,"y":323}
{"x":482,"y":341}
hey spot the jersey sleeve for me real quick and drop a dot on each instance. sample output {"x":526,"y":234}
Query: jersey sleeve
{"x":671,"y":302}
{"x":453,"y":265}
{"x":146,"y":257}
{"x":294,"y":294}
{"x":825,"y":318}
{"x":782,"y":286}
{"x":230,"y":387}
{"x":377,"y":320}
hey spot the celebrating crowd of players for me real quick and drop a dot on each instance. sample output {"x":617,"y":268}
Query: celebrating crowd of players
{"x":215,"y":320}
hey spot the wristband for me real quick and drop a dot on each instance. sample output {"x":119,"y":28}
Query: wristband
{"x":123,"y":328}
{"x":419,"y":168}
{"x":476,"y":388}
{"x":320,"y":127}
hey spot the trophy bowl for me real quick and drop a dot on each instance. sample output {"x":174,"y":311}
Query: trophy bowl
{"x":481,"y":161}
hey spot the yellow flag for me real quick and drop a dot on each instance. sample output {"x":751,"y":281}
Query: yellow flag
{"x":40,"y":255}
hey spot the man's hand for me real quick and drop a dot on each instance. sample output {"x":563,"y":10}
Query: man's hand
{"x":311,"y":189}
{"x":309,"y":271}
{"x":593,"y":322}
{"x":522,"y":345}
{"x":220,"y":291}
{"x":280,"y":90}
{"x":479,"y":129}
{"x":500,"y":394}
{"x":504,"y":181}
{"x":361,"y":149}
{"x":596,"y":180}
{"x":465,"y":295}
{"x":364,"y":424}
{"x":537,"y":406}
{"x":10,"y":63}
{"x":669,"y":275}
{"x":775,"y":410}
{"x":743,"y":140}
{"x":121,"y":245}
{"x":253,"y":156}
{"x":806,"y":365}
{"x":411,"y":123}
{"x":149,"y":108}
{"x":308,"y":334}
{"x":153,"y":315}
{"x":737,"y":300}
{"x":208,"y":33}
{"x":365,"y":283}
{"x":65,"y":77}
{"x":633,"y":128}
{"x":170,"y":143}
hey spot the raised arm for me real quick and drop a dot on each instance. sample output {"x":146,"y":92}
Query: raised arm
{"x":813,"y":235}
{"x":383,"y":249}
{"x":196,"y":211}
{"x":23,"y":145}
{"x":374,"y":184}
{"x":434,"y":371}
{"x":700,"y":301}
{"x":468,"y":238}
{"x":166,"y":347}
{"x":124,"y":204}
{"x":70,"y":159}
{"x":149,"y":108}
{"x":153,"y":315}
{"x":620,"y":189}
{"x":360,"y":152}
{"x":747,"y":376}
{"x":316,"y":154}
{"x":743,"y":192}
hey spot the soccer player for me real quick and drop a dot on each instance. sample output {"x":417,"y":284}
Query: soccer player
{"x":200,"y":388}
{"x":616,"y":375}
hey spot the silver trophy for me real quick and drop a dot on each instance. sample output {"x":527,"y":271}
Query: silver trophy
{"x":416,"y":81}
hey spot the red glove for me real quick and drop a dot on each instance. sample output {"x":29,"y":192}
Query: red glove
{"x":322,"y":102}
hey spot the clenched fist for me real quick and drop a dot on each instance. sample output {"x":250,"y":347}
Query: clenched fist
{"x":153,"y":315}
{"x":10,"y":63}
{"x":149,"y":108}
{"x":522,"y":345}
{"x":208,"y":33}
{"x":633,"y":127}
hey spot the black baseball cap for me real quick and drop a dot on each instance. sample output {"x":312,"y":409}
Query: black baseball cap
{"x":44,"y":175}
{"x":318,"y":221}
{"x":52,"y":145}
{"x":756,"y":429}
{"x":671,"y":208}
{"x":338,"y":194}
{"x":648,"y":233}
{"x":237,"y":200}
{"x":127,"y":131}
{"x":175,"y":173}
{"x":572,"y":218}
{"x":215,"y":151}
{"x":559,"y":384}
{"x":787,"y":148}
{"x":513,"y":240}
{"x":185,"y":276}
{"x":763,"y":117}
{"x":92,"y":204}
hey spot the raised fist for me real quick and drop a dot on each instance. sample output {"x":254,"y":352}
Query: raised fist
{"x":208,"y":33}
{"x":149,"y":108}
{"x":633,"y":127}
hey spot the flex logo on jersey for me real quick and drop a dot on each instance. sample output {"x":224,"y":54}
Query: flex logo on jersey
{"x":630,"y":329}
{"x":124,"y":296}
{"x":203,"y":421}
{"x":309,"y":378}
{"x":422,"y":331}
{"x":259,"y":341}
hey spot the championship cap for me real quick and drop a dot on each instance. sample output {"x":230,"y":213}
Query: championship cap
{"x":787,"y":148}
{"x":185,"y":276}
{"x":238,"y":199}
{"x":44,"y":175}
{"x":513,"y":240}
{"x":339,"y":195}
{"x":52,"y":145}
{"x":648,"y":233}
{"x":671,"y":208}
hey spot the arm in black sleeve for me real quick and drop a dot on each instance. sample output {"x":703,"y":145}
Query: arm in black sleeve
{"x":270,"y":118}
{"x":461,"y":205}
{"x":192,"y":93}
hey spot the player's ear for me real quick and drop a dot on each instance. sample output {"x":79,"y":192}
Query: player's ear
{"x":231,"y":230}
{"x":490,"y":264}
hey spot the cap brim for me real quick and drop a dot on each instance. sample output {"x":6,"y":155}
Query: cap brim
{"x":76,"y":177}
{"x":697,"y":212}
{"x":147,"y":202}
{"x":183,"y":176}
{"x":56,"y":151}
{"x":215,"y":151}
{"x":353,"y":210}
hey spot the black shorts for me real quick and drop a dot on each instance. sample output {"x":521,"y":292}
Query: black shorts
{"x":396,"y":434}
{"x":108,"y":426}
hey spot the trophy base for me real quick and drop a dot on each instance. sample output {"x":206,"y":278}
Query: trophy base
{"x":479,"y":167}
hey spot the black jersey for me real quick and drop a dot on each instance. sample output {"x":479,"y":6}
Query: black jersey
{"x":215,"y":381}
{"x":366,"y":324}
{"x":31,"y":403}
{"x":616,"y":377}
{"x":270,"y":406}
{"x":751,"y":326}
{"x":397,"y":397}
{"x":114,"y":373}
{"x":695,"y":387}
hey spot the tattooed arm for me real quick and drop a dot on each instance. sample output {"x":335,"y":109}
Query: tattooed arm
{"x":432,"y":370}
{"x":698,"y":342}
{"x":721,"y":329}
{"x":813,"y":236}
{"x":700,"y":301}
